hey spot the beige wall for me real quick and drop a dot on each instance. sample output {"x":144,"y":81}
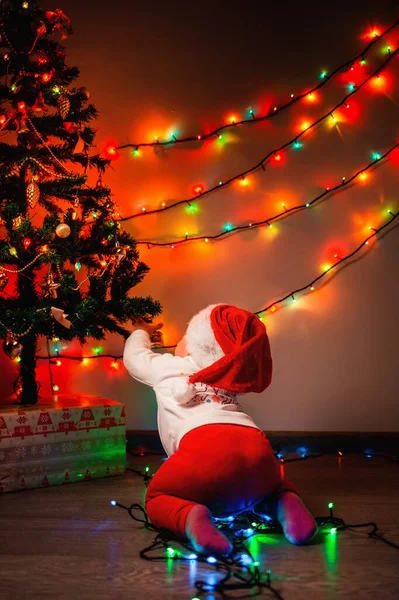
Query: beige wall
{"x":168,"y":67}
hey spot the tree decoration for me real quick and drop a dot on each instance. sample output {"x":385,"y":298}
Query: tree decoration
{"x":17,"y":222}
{"x":50,"y":287}
{"x":35,"y":72}
{"x":63,"y":230}
{"x":64,"y":106}
{"x":3,"y":280}
{"x":12,"y":347}
{"x":40,"y":106}
{"x":22,"y":126}
{"x":32,"y":193}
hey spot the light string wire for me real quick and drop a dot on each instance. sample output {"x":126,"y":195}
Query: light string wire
{"x":285,"y":213}
{"x":261,"y":164}
{"x":276,"y":110}
{"x":240,"y":564}
{"x":308,"y":286}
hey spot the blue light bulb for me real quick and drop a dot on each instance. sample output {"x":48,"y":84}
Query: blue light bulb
{"x":113,"y":502}
{"x":211,"y":559}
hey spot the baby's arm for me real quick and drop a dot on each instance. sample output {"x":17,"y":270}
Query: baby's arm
{"x":139,"y":360}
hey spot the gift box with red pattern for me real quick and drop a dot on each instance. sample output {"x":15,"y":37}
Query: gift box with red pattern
{"x":61,"y":440}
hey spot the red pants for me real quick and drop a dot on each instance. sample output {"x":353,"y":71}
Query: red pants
{"x":226,"y":467}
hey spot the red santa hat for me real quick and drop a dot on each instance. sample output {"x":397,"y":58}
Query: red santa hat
{"x":231,"y":347}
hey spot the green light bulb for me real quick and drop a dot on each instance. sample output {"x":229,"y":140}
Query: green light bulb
{"x":228,"y":227}
{"x":98,"y":349}
{"x":78,"y":266}
{"x":220,"y":182}
{"x":170,"y":551}
{"x":254,"y":524}
{"x":333,"y":530}
{"x":323,"y":74}
{"x":147,"y":469}
{"x":331,"y":505}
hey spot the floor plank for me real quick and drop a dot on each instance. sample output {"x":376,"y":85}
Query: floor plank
{"x":67,"y":541}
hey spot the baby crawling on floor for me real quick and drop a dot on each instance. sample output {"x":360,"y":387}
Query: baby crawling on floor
{"x":220,"y":463}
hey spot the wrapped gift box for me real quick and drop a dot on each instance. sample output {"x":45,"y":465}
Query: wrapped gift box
{"x":62,"y":439}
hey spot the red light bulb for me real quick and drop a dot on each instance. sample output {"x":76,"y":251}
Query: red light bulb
{"x":21,"y":106}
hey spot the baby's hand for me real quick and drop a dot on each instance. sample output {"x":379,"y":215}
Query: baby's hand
{"x":138,"y":323}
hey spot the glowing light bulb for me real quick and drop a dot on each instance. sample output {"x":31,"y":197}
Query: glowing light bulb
{"x":199,"y":137}
{"x":351,"y":87}
{"x":206,"y":239}
{"x":305,"y":125}
{"x":55,"y":388}
{"x":27,"y":242}
{"x":292,"y":95}
{"x":333,"y":530}
{"x":46,"y":77}
{"x":312,"y":288}
{"x":97,"y":350}
{"x":323,"y":75}
{"x":113,"y":502}
{"x":326,"y":268}
{"x":163,"y":204}
{"x":297,"y":145}
{"x":244,"y":182}
{"x":311,"y":97}
{"x":307,"y":205}
{"x":220,"y":182}
{"x":273,"y":308}
{"x":192,"y":557}
{"x":85,"y":361}
{"x":115,"y":365}
{"x":228,"y":227}
{"x":172,"y":246}
{"x":198,"y":189}
{"x":249,"y":224}
{"x":363,"y":176}
{"x":277,"y":157}
{"x":274,"y":108}
{"x":211,"y":559}
{"x":21,"y":106}
{"x":56,"y":89}
{"x":143,"y":208}
{"x":25,"y":5}
{"x":155,"y":139}
{"x":58,"y":363}
{"x":170,"y":551}
{"x":270,"y":225}
{"x":376,"y":156}
{"x":232,"y":120}
{"x":331,"y":505}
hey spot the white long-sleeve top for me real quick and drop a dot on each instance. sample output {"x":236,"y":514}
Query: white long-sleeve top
{"x":181,"y":405}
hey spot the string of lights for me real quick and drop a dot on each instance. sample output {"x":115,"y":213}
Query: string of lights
{"x":240,"y":570}
{"x":324,"y":76}
{"x":271,"y":308}
{"x":359,"y":176}
{"x":275,"y":154}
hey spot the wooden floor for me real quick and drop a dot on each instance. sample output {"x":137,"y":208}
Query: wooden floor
{"x":68,"y":542}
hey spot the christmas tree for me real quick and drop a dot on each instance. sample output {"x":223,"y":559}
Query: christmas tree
{"x":66,"y":266}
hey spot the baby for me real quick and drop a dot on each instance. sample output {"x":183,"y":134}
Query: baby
{"x":219,"y":462}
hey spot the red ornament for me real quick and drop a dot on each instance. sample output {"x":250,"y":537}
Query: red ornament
{"x":70,"y":127}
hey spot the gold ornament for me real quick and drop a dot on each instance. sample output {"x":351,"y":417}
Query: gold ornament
{"x":17,"y":222}
{"x":74,"y":215}
{"x":120,"y":253}
{"x":32,"y":193}
{"x":63,"y":230}
{"x":50,"y":287}
{"x":3,"y":280}
{"x":22,"y":127}
{"x":40,"y":106}
{"x":12,"y":348}
{"x":64,"y":106}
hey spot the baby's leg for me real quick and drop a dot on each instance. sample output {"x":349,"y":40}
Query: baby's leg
{"x":185,"y":519}
{"x":285,"y":505}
